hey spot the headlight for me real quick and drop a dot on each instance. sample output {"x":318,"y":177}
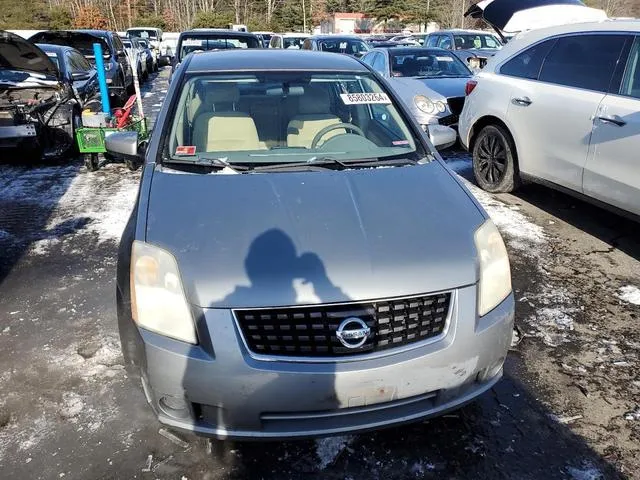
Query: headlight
{"x":495,"y":273}
{"x":440,"y":106}
{"x":424,"y":104}
{"x":158,"y":302}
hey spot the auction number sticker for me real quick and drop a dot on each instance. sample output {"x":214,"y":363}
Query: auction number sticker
{"x":191,"y":42}
{"x":364,"y":98}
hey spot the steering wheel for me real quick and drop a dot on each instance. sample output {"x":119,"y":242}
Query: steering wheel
{"x":337,"y":126}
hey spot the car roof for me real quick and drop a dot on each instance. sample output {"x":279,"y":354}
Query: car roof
{"x":217,"y":31}
{"x":293,"y":34}
{"x":272,"y":59}
{"x":402,"y":50}
{"x":50,"y":47}
{"x":333,"y":37}
{"x":99,"y":33}
{"x":523,"y":39}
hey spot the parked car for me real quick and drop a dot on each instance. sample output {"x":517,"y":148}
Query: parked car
{"x":561,"y":106}
{"x":266,"y":38}
{"x":137,"y":53}
{"x":153,"y":36}
{"x":349,"y":44}
{"x":291,"y":41}
{"x":473,"y":47}
{"x":393,"y":44}
{"x":437,"y":69}
{"x":273,"y":291}
{"x":118,"y":72}
{"x":76,"y":70}
{"x":405,"y":39}
{"x":40,"y":106}
{"x":203,"y":39}
{"x":152,"y":64}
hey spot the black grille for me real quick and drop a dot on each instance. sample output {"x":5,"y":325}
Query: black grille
{"x":311,"y":331}
{"x":449,"y":120}
{"x":456,"y":104}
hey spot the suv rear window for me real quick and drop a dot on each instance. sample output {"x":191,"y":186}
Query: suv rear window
{"x":583,"y":61}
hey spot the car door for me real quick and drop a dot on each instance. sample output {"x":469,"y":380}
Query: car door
{"x":551,"y":119}
{"x":612,"y":172}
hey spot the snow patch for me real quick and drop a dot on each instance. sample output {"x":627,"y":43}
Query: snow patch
{"x":72,"y":405}
{"x":630,"y":294}
{"x":585,"y":472}
{"x":520,"y":233}
{"x":328,"y":449}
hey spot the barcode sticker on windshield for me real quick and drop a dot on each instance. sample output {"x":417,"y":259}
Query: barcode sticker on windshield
{"x":444,"y":59}
{"x":364,"y":98}
{"x":191,"y":42}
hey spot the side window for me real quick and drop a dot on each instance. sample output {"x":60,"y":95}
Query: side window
{"x":631,"y":83}
{"x":72,"y":63}
{"x":83,"y":63}
{"x":378,"y":63}
{"x":583,"y":61}
{"x":117,"y":43}
{"x":445,"y":42}
{"x":368,"y":58}
{"x":432,"y":41}
{"x":528,"y":63}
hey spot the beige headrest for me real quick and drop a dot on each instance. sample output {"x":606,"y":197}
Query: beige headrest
{"x":221,"y":94}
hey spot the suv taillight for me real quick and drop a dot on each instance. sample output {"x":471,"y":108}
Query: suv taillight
{"x":469,"y":87}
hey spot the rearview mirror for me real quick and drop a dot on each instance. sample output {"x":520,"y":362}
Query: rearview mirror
{"x":441,"y":136}
{"x":123,"y":144}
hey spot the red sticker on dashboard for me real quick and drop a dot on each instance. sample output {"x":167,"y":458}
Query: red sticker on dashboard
{"x":186,"y":150}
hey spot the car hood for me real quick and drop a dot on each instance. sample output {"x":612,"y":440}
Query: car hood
{"x":447,"y":87}
{"x":19,"y":54}
{"x":407,"y":87}
{"x":521,"y":15}
{"x":257,"y":240}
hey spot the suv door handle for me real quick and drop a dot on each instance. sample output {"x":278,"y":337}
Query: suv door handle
{"x":613,"y":119}
{"x":522,"y":101}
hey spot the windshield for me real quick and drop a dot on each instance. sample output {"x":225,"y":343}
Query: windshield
{"x":152,"y":34}
{"x":143,"y":43}
{"x":126,"y":43}
{"x":279,"y":117}
{"x":427,"y":63}
{"x":294,"y":43}
{"x":81,"y":42}
{"x":215,"y":42}
{"x":476,"y":41}
{"x":54,"y":58}
{"x":344,"y":45}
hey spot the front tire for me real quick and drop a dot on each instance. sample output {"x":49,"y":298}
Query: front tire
{"x":495,"y":160}
{"x":91,"y":161}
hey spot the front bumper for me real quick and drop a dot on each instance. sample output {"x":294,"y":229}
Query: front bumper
{"x":220,"y":390}
{"x":18,"y":132}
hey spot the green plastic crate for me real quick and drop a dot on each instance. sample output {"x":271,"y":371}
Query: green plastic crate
{"x":91,"y":139}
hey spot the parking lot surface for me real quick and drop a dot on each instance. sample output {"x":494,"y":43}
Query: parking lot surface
{"x":568,"y":407}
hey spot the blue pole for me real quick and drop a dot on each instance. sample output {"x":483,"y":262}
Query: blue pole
{"x":102,"y":78}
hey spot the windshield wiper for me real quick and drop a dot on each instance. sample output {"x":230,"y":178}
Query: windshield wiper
{"x":213,"y":163}
{"x":335,"y":164}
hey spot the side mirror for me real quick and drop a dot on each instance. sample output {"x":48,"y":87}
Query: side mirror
{"x":123,"y":144}
{"x":442,"y":137}
{"x":80,"y":76}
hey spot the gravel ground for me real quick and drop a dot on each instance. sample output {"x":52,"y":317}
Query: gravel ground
{"x":568,"y":407}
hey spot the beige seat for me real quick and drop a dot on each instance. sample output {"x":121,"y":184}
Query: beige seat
{"x":226,"y":131}
{"x":314,"y":115}
{"x":217,"y":127}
